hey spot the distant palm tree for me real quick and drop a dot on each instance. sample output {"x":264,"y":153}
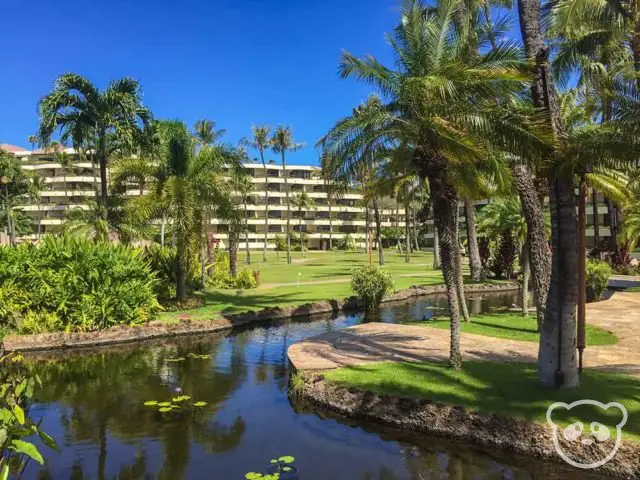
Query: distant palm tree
{"x":262,"y":142}
{"x":302,"y":202}
{"x":282,"y":142}
{"x":91,"y":118}
{"x":33,"y":140}
{"x":243,"y":186}
{"x":37,"y":186}
{"x":206,"y":133}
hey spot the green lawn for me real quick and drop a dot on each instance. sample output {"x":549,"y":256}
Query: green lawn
{"x":514,"y":326}
{"x":509,"y":389}
{"x":316,"y":267}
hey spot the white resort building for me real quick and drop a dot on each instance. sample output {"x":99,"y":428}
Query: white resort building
{"x":70,"y":182}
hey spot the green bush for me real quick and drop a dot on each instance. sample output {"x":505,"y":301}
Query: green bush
{"x":347,"y":243}
{"x":371,"y":284}
{"x":598,"y":274}
{"x":221,"y":278}
{"x":245,"y":280}
{"x":163,"y":262}
{"x":74,"y":284}
{"x":280,"y":243}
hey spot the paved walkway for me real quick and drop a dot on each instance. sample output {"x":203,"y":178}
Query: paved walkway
{"x":378,"y":342}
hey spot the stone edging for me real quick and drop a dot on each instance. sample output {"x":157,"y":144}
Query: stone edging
{"x":186,"y":326}
{"x":494,"y":432}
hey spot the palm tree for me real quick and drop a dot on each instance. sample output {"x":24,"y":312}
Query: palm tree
{"x":261,"y":142}
{"x":302,"y":201}
{"x":205,"y":132}
{"x":37,"y":186}
{"x":282,"y":142}
{"x":243,"y":186}
{"x":90,"y":118}
{"x":441,"y":104}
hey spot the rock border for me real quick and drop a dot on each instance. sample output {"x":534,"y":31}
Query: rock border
{"x":186,"y":326}
{"x":488,"y":431}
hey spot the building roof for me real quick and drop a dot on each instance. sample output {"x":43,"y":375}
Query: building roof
{"x":12,"y":148}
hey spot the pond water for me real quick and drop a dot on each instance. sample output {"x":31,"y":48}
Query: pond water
{"x":92,"y":403}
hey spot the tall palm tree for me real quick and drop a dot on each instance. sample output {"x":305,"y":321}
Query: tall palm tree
{"x":91,"y":118}
{"x":282,"y":142}
{"x":302,"y":201}
{"x":243,"y":186}
{"x":37,"y":186}
{"x":262,"y":142}
{"x":441,"y":103}
{"x":205,"y":132}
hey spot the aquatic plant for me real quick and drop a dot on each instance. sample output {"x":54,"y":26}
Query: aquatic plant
{"x":176,"y":404}
{"x":280,"y":469}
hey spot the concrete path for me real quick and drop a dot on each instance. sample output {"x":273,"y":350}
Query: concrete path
{"x":380,"y":342}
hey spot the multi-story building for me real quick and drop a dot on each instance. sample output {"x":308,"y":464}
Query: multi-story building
{"x":70,"y":182}
{"x":70,"y":186}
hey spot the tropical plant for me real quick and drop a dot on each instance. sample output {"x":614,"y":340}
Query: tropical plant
{"x":94,"y":120}
{"x":261,"y":142}
{"x":18,"y":429}
{"x":163,"y":262}
{"x":440,"y":103}
{"x":598,"y":274}
{"x":37,"y":186}
{"x":281,"y":468}
{"x":85,"y":286}
{"x":282,"y":142}
{"x":371,"y":284}
{"x":243,"y":186}
{"x":206,"y":133}
{"x":302,"y":201}
{"x":14,"y":187}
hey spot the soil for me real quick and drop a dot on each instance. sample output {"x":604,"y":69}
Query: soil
{"x":494,"y":432}
{"x":187,"y":326}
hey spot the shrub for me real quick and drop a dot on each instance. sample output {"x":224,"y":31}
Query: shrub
{"x":371,"y":284}
{"x":86,"y":286}
{"x":280,"y":243}
{"x":347,"y":243}
{"x":163,"y":262}
{"x":245,"y":279}
{"x":598,"y":274}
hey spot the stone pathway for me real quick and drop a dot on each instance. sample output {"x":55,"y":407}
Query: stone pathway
{"x":380,"y":342}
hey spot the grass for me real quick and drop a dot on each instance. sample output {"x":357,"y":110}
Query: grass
{"x":509,"y":389}
{"x":513,"y":326}
{"x":279,"y":281}
{"x":632,"y":289}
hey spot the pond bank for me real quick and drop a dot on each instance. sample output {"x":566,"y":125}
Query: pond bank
{"x":187,"y":326}
{"x":494,"y":432}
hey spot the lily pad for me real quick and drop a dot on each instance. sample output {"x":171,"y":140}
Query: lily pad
{"x":164,"y":409}
{"x":199,"y":404}
{"x":286,"y":459}
{"x":164,"y":404}
{"x":181,"y":398}
{"x":151,"y":403}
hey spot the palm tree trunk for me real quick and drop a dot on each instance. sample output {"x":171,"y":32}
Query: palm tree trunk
{"x":376,"y":214}
{"x":246,"y":232}
{"x":102,"y":160}
{"x":300,"y":231}
{"x":398,"y":247}
{"x":180,"y":269}
{"x":613,"y":225}
{"x":162,"y":228}
{"x":526,"y":270}
{"x":233,"y":252}
{"x":445,"y":212}
{"x":406,"y":233}
{"x":635,"y":48}
{"x":286,"y":191}
{"x":538,"y":246}
{"x":330,"y":228}
{"x":414,"y":228}
{"x":203,"y":262}
{"x":266,"y":207}
{"x":366,"y":228}
{"x":472,"y":240}
{"x":596,"y":219}
{"x":39,"y":219}
{"x":459,"y":278}
{"x":437,"y":264}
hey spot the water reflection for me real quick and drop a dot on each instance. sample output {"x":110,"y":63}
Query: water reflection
{"x":93,"y":404}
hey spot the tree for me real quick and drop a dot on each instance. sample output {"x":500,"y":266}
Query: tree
{"x":37,"y":186}
{"x":91,"y":118}
{"x":262,"y":142}
{"x":302,"y":201}
{"x":243,"y":186}
{"x":440,"y":102}
{"x":206,"y":133}
{"x":282,"y":142}
{"x":14,"y":187}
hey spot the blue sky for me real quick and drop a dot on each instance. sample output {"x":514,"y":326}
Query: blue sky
{"x":238,"y":62}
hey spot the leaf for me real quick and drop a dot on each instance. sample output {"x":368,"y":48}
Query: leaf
{"x":20,"y":388}
{"x":19,"y":413}
{"x":3,"y":437}
{"x":273,"y":460}
{"x":28,"y":449}
{"x":199,"y":404}
{"x":48,"y":440}
{"x":181,"y":398}
{"x":164,"y":409}
{"x":5,"y":415}
{"x":4,"y":474}
{"x":151,"y":403}
{"x":164,"y":404}
{"x":287,"y":459}
{"x":286,"y":469}
{"x":253,"y":476}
